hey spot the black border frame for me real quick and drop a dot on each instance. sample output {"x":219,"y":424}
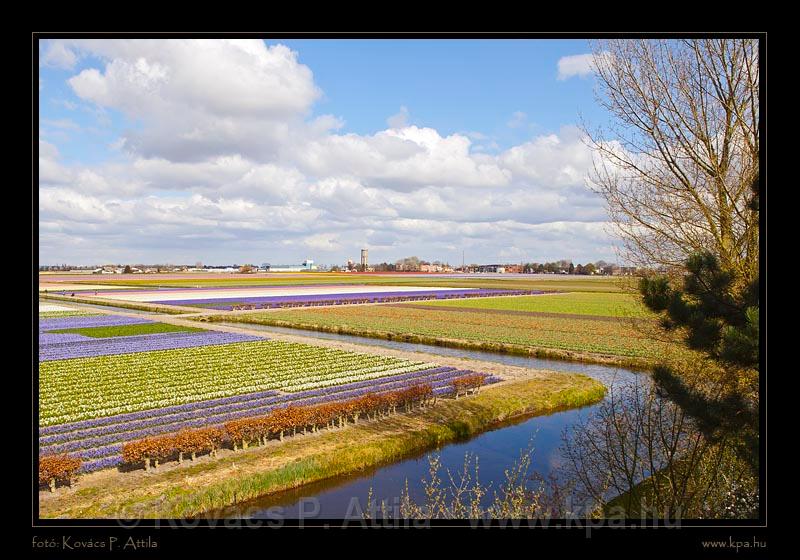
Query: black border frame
{"x":164,"y":532}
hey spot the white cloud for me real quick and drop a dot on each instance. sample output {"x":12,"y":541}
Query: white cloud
{"x":226,"y":78}
{"x":575,"y":65}
{"x":47,"y":150}
{"x":58,"y":55}
{"x":61,"y":123}
{"x":325,"y":242}
{"x":552,"y":161}
{"x":518,"y":119}
{"x":226,"y":162}
{"x":69,"y":105}
{"x":399,"y":120}
{"x":201,"y":98}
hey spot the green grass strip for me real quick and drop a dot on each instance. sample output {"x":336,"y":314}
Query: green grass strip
{"x":578,"y":303}
{"x":128,"y":330}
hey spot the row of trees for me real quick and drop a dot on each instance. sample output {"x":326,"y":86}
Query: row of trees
{"x":414,"y":264}
{"x":566,"y":266}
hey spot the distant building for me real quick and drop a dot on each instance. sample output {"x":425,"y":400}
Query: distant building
{"x":494,"y":268}
{"x":616,"y":270}
{"x":220,"y":269}
{"x":364,"y":259}
{"x":307,"y":265}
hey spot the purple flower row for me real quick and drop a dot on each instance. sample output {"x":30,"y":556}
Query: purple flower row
{"x":88,"y":321}
{"x":46,"y":338}
{"x":242,"y":411}
{"x":139,"y":343}
{"x":178,"y":413}
{"x":278,"y":301}
{"x":100,"y":464}
{"x":130,"y":417}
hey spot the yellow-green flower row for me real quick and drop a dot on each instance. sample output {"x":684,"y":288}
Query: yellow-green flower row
{"x":84,"y":388}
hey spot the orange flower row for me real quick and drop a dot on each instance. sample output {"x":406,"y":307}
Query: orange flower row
{"x":277,"y":423}
{"x":53,"y":468}
{"x":159,"y":448}
{"x":467,"y":383}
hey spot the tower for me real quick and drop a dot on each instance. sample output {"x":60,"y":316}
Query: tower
{"x":364,"y":259}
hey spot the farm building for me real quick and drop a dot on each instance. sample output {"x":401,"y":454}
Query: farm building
{"x":307,"y":264}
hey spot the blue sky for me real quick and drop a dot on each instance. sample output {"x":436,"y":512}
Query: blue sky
{"x":283,"y":150}
{"x":450,"y":85}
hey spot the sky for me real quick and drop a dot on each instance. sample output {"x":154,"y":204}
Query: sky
{"x":251,"y":151}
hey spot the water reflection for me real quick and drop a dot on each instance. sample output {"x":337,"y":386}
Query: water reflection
{"x":345,"y":496}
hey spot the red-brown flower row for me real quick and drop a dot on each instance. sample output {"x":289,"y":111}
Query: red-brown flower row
{"x":277,"y":424}
{"x":58,"y":468}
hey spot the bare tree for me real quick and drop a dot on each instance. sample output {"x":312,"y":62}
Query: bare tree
{"x":678,"y":162}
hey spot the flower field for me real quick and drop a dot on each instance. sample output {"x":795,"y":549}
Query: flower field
{"x":84,"y":388}
{"x":547,"y":282}
{"x":233,"y":293}
{"x":268,"y":302}
{"x":617,"y":338}
{"x":127,"y":330}
{"x":576,"y":303}
{"x":295,"y":296}
{"x":99,"y":442}
{"x":53,"y":348}
{"x":53,"y":311}
{"x":101,"y":386}
{"x":86,"y":321}
{"x":52,"y":307}
{"x":84,"y":336}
